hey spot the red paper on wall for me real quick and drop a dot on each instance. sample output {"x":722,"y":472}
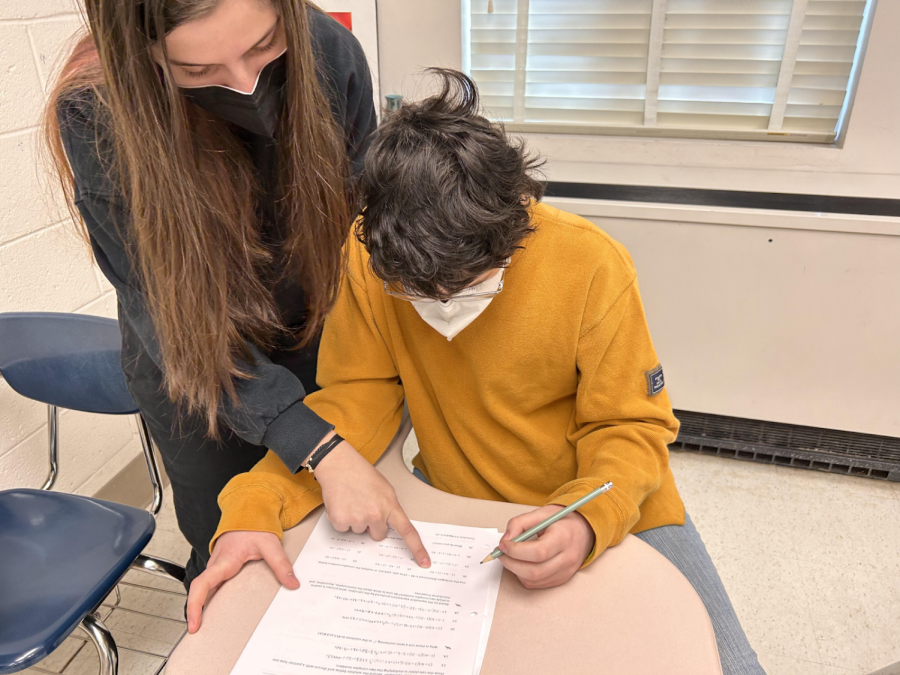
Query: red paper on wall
{"x":343,"y":18}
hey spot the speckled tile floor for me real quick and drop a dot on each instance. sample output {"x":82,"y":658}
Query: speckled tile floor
{"x":811,"y":562}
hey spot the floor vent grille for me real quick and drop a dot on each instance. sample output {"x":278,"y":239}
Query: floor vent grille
{"x":790,"y":445}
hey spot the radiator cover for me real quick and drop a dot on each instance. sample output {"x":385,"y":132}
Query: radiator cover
{"x":790,"y":445}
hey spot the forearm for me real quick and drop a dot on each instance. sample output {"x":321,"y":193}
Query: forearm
{"x":634,"y":457}
{"x":271,"y":411}
{"x":622,"y":425}
{"x":270,"y":498}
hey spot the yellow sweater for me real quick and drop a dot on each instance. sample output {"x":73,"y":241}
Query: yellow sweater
{"x":543,"y":398}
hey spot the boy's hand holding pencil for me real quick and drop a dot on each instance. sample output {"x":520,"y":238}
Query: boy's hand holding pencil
{"x":564,"y":540}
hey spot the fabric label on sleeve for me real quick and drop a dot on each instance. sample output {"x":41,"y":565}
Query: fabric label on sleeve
{"x":655,"y":381}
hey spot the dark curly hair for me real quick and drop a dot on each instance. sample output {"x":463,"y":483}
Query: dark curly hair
{"x":445,"y":193}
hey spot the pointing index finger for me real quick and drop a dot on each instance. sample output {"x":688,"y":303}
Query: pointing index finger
{"x":398,"y":520}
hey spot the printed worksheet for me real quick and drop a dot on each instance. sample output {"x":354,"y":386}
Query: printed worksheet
{"x":365,"y":607}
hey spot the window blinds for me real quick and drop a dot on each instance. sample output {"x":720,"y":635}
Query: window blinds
{"x":775,"y":69}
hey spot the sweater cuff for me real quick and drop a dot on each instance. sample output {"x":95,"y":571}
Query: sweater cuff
{"x":294,"y":434}
{"x":603,"y":513}
{"x":255,"y":508}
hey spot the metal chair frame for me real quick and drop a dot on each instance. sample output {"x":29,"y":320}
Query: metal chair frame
{"x":92,"y":625}
{"x":98,"y":633}
{"x":146,"y":445}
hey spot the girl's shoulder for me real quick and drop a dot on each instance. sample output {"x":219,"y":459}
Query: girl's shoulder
{"x":329,"y":34}
{"x":86,"y":139}
{"x":337,"y":50}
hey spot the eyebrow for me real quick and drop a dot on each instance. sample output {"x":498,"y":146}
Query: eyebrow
{"x":204,"y":65}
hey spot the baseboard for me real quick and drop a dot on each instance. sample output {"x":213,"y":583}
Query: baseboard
{"x":131,"y":486}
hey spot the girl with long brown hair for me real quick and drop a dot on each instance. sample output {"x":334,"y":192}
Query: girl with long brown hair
{"x":208,"y":149}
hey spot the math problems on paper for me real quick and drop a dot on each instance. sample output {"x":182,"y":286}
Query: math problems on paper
{"x":365,"y":607}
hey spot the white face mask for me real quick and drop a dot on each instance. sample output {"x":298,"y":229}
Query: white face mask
{"x":449,"y":317}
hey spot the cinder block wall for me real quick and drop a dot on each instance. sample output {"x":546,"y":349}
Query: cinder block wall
{"x":44,"y":266}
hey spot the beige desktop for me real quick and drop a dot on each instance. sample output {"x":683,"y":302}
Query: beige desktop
{"x":630,"y":613}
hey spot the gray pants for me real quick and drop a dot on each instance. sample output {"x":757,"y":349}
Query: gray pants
{"x":682,"y":546}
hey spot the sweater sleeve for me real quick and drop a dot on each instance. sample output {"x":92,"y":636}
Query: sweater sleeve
{"x":361,"y":396}
{"x":622,"y":425}
{"x":270,"y":411}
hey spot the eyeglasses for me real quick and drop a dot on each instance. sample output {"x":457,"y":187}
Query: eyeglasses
{"x":462,"y":296}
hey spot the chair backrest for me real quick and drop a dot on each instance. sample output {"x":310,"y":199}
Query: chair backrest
{"x":67,"y":360}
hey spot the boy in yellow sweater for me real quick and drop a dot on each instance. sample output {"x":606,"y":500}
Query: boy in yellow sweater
{"x":516,"y":335}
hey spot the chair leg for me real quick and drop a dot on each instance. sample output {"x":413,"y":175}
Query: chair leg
{"x":103,"y":641}
{"x":152,"y":466}
{"x":159,"y":567}
{"x":53,"y":433}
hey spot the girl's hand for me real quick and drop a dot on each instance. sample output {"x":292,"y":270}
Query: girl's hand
{"x":231,"y":551}
{"x":357,"y":497}
{"x":556,"y":554}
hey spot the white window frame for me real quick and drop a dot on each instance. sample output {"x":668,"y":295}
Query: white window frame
{"x":774,"y":132}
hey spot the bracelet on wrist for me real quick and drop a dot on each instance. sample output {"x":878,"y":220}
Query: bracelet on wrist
{"x":319,"y":453}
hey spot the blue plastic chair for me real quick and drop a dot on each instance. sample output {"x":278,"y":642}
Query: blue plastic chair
{"x":62,"y":554}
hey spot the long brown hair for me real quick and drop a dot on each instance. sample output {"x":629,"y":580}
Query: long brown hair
{"x":189,"y":185}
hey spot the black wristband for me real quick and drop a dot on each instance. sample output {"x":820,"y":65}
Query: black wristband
{"x":319,"y":453}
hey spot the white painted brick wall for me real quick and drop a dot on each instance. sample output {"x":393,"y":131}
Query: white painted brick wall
{"x":44,"y":266}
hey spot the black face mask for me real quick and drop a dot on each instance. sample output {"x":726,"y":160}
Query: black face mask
{"x":257,"y":112}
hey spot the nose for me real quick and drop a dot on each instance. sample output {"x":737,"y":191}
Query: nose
{"x":448,"y":309}
{"x":244,"y":78}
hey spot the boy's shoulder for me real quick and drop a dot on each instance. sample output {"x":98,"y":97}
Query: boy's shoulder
{"x":578,"y":240}
{"x":580,"y":261}
{"x":358,"y":270}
